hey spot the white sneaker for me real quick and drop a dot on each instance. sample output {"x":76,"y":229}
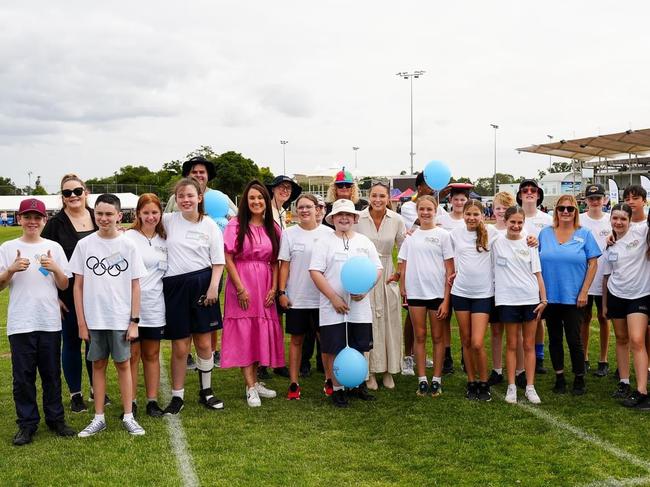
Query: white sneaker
{"x":93,"y":428}
{"x":428,"y":363}
{"x":262,"y":391}
{"x":253,"y":398}
{"x":511,"y":394}
{"x":407,"y":366}
{"x":132,"y":426}
{"x":531,"y":395}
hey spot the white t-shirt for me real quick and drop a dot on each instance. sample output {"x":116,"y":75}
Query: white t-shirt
{"x":474,"y":270}
{"x":515,"y":266}
{"x":424,"y":253}
{"x":296,"y":247}
{"x":192,"y":246}
{"x":534,"y":224}
{"x":600,"y":229}
{"x":444,"y":220}
{"x":154,"y":257}
{"x":328,"y":257}
{"x":108,"y":266}
{"x":409,"y":214}
{"x":33,"y":296}
{"x":627,"y":266}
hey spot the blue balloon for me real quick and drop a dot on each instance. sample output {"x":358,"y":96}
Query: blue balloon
{"x":358,"y":275}
{"x":221,"y":222}
{"x":437,"y":175}
{"x":216,"y":204}
{"x":350,"y":367}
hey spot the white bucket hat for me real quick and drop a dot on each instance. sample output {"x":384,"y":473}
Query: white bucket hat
{"x":342,"y":206}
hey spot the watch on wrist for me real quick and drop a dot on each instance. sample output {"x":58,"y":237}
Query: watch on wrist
{"x":135,"y":320}
{"x":282,"y":293}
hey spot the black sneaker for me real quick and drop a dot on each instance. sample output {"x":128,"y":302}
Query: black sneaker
{"x":263,"y":373}
{"x":191,"y":364}
{"x":281,"y":371}
{"x":622,"y":391}
{"x":436,"y":389}
{"x":61,"y":429}
{"x":520,"y":380}
{"x":635,"y":399}
{"x":362,"y":393}
{"x":216,"y":359}
{"x":423,"y":388}
{"x":539,"y":366}
{"x":107,"y":400}
{"x":483,"y":393}
{"x":560,"y":384}
{"x":603,"y":369}
{"x":448,"y":366}
{"x":579,"y":387}
{"x":175,"y":406}
{"x":134,"y":411}
{"x":644,"y":405}
{"x":209,"y":400}
{"x":153,"y":410}
{"x":23,"y":436}
{"x":587,"y":366}
{"x":339,"y":399}
{"x":495,"y":378}
{"x":472,"y":391}
{"x":77,"y":404}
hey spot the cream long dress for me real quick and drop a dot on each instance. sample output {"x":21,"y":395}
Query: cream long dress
{"x":386,"y":353}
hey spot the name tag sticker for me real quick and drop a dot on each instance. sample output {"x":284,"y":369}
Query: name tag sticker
{"x":298,"y":247}
{"x":502,"y":261}
{"x":192,"y":235}
{"x":162,"y":265}
{"x":612,"y":257}
{"x":340,"y":256}
{"x":114,"y":259}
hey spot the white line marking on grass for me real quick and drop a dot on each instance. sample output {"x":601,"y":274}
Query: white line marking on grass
{"x":177,"y":436}
{"x":620,"y":483}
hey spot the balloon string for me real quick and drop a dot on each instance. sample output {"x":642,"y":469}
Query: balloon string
{"x":346,"y":324}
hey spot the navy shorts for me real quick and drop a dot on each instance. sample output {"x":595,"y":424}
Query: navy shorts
{"x":332,"y":337}
{"x":517,"y":314}
{"x":473,"y":305}
{"x":431,"y":304}
{"x":150,"y":333}
{"x":301,"y":321}
{"x":183,"y":314}
{"x":619,"y":308}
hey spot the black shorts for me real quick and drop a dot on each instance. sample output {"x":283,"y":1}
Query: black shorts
{"x":517,"y":314}
{"x":183,"y":314}
{"x":587,"y":310}
{"x":332,"y":337}
{"x":473,"y":305}
{"x":431,"y":304}
{"x":301,"y":321}
{"x":619,"y":308}
{"x":150,"y":333}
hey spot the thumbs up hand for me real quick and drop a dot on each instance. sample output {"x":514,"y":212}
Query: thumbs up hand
{"x":20,"y":264}
{"x":48,"y":263}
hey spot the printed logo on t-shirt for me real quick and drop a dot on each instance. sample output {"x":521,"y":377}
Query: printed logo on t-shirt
{"x":603,"y":233}
{"x":632,"y":245}
{"x":103,"y":266}
{"x":523,"y":253}
{"x":433,"y":240}
{"x":539,"y":224}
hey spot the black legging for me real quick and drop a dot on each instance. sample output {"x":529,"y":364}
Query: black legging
{"x":565,"y":318}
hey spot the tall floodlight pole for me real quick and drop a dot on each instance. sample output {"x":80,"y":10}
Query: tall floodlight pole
{"x":550,"y":164}
{"x":29,"y":176}
{"x":284,"y":156}
{"x":355,"y":149}
{"x":410,"y":76}
{"x":494,"y":184}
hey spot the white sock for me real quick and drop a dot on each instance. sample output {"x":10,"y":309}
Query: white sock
{"x":436,"y":379}
{"x":423,"y":379}
{"x":625,"y":381}
{"x":338,"y":388}
{"x":135,"y":401}
{"x":75,"y":393}
{"x":100,"y":417}
{"x":128,"y":417}
{"x":151,"y":399}
{"x":179,"y":393}
{"x":519,"y":371}
{"x":204,"y":366}
{"x":499,"y":371}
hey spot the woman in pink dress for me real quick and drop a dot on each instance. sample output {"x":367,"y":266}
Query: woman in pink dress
{"x":252,"y":334}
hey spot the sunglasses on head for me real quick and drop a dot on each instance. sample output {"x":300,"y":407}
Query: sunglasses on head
{"x":529,"y":189}
{"x":568,"y":209}
{"x":344,"y":185}
{"x":69,"y":192}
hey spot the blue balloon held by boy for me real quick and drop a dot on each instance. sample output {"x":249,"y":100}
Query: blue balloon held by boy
{"x":216,"y":204}
{"x":222,"y":221}
{"x":358,"y":275}
{"x":437,"y":175}
{"x":350,"y":367}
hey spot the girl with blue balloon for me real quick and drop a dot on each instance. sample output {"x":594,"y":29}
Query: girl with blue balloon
{"x":345,"y":266}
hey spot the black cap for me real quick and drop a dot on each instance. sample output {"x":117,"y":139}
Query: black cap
{"x":530,"y":182}
{"x":594,"y":190}
{"x":190,"y":163}
{"x":296,"y":189}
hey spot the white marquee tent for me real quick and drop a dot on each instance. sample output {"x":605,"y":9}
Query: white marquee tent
{"x":53,"y":201}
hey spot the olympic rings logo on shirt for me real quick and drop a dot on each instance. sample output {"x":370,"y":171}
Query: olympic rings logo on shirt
{"x":100,"y":268}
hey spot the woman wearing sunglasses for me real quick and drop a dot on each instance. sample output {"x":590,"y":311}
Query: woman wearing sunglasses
{"x":568,"y":253}
{"x":343,"y":187}
{"x":74,"y":222}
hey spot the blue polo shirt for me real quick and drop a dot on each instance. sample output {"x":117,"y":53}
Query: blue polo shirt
{"x":564,"y":266}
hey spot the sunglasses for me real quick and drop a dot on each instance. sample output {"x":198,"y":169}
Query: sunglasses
{"x":344,"y":185}
{"x":529,"y":189}
{"x":568,"y":209}
{"x":69,"y":192}
{"x":380,"y":182}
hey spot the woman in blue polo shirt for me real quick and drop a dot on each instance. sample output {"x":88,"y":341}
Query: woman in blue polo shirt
{"x":568,"y":254}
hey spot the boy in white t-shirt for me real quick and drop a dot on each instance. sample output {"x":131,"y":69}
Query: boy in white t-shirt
{"x":340,"y":310}
{"x":107,"y":269}
{"x":33,"y":269}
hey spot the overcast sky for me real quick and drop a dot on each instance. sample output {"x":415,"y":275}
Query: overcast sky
{"x":88,"y":89}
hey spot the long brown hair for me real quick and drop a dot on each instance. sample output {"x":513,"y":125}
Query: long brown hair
{"x":73,"y":177}
{"x":144,"y":200}
{"x":481,"y":229}
{"x":192,"y":182}
{"x":244,"y":218}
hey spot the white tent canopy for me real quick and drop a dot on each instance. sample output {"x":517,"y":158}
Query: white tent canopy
{"x":53,"y":201}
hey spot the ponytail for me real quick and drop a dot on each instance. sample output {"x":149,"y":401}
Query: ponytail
{"x":481,"y":229}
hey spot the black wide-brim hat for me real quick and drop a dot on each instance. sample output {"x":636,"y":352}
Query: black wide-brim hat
{"x":296,"y":189}
{"x":209,"y":166}
{"x":530,"y":182}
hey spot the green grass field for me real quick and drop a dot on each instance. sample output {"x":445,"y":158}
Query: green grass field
{"x":399,"y":439}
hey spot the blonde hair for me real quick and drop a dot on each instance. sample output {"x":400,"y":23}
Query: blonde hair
{"x":331,"y":193}
{"x":481,"y":230}
{"x":426,"y":197}
{"x":504,"y":198}
{"x":72,"y":177}
{"x":576,"y":214}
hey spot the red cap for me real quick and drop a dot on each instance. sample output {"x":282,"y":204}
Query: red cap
{"x":32,"y":205}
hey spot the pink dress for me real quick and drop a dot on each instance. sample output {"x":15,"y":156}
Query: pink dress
{"x":255,"y":334}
